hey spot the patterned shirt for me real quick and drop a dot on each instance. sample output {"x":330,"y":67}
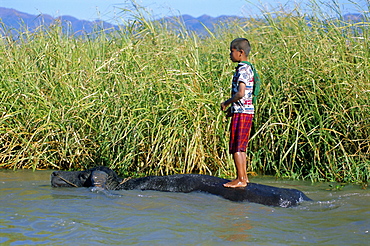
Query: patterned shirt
{"x":243,"y":74}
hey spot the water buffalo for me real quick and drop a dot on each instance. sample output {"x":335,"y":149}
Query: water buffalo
{"x":106,"y":178}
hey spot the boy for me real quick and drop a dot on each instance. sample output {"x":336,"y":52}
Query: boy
{"x":241,"y":110}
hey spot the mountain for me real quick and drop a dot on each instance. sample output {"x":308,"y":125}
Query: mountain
{"x":16,"y":20}
{"x":200,"y":24}
{"x":354,"y":17}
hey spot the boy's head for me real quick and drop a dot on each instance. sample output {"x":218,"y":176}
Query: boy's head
{"x":241,"y":44}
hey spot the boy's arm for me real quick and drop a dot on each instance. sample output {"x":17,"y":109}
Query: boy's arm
{"x":237,"y":96}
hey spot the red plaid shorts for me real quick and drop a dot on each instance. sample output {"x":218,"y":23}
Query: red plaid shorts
{"x":240,"y":129}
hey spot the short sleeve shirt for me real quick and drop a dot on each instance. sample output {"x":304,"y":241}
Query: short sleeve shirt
{"x":243,"y":74}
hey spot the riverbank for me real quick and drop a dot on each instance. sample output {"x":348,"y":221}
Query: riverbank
{"x":144,"y":100}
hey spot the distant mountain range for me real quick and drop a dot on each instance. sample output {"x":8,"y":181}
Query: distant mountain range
{"x":13,"y":19}
{"x":16,"y":20}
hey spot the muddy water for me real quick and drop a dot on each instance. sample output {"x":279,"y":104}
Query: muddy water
{"x":33,"y":213}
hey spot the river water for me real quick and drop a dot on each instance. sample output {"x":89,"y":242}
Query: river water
{"x":33,"y":213}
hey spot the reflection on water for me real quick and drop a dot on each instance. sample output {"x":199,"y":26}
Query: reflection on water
{"x":33,"y":213}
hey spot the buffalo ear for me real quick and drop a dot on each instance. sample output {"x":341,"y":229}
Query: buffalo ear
{"x":85,"y":179}
{"x":84,"y":176}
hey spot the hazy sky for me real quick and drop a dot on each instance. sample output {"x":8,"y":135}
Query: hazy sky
{"x":108,"y":9}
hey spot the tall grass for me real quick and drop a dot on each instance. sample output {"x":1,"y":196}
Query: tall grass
{"x":145,"y":99}
{"x":314,"y":118}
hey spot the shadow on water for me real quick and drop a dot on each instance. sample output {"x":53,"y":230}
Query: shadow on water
{"x":33,"y":213}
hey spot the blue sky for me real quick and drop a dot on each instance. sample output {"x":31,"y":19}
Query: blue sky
{"x":110,"y":9}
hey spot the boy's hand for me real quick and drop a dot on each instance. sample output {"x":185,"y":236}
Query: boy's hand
{"x":228,"y":112}
{"x":223,"y":106}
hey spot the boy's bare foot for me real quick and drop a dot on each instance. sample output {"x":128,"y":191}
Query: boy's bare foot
{"x":236,"y":183}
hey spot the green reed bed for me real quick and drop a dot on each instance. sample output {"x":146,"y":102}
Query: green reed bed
{"x":316,"y":100}
{"x":145,"y":99}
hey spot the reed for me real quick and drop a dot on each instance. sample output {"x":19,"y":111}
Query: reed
{"x":145,"y":99}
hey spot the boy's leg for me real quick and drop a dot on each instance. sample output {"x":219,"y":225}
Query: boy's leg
{"x":240,"y":160}
{"x":239,"y":136}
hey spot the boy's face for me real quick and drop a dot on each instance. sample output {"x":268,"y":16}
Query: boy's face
{"x":235,"y":55}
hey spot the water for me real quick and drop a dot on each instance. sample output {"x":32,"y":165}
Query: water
{"x":33,"y":213}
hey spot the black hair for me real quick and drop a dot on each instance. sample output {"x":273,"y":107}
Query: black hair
{"x":241,"y":44}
